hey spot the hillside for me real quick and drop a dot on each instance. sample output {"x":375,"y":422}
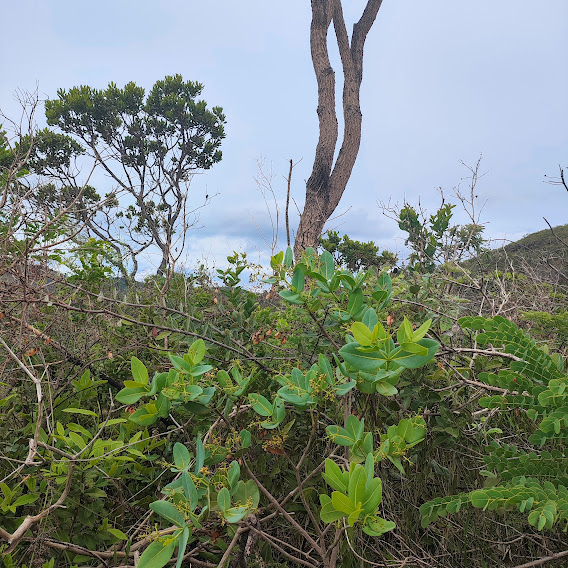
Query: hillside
{"x":545,"y":250}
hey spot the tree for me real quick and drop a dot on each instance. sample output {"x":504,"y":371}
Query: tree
{"x":150,"y":146}
{"x":355,"y":255}
{"x":328,"y":180}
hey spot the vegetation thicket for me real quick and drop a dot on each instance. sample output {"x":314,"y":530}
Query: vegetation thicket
{"x":345,"y":417}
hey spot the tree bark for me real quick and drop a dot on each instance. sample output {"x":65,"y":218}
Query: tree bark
{"x":327,"y":181}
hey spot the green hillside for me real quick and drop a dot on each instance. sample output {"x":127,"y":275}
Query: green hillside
{"x":545,"y":250}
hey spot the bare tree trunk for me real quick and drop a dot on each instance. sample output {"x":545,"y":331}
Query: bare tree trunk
{"x":327,"y":182}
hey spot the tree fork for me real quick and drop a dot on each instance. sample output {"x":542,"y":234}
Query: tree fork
{"x":328,"y":181}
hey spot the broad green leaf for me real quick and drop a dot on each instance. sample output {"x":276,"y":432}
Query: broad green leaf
{"x":157,"y":554}
{"x":182,"y":457}
{"x":354,"y":516}
{"x":235,"y":514}
{"x":421,"y":331}
{"x":360,"y":359}
{"x":197,"y":351}
{"x":354,"y":426}
{"x":370,"y":318}
{"x":362,"y":334}
{"x":342,"y":503}
{"x":298,"y":279}
{"x":117,"y":533}
{"x":415,"y":349}
{"x":189,"y":489}
{"x":373,"y":496}
{"x":143,"y":417}
{"x":357,"y":483}
{"x":245,"y":436}
{"x":131,"y":395}
{"x":139,"y":371}
{"x":180,"y":363}
{"x":77,"y":440}
{"x":326,"y":368}
{"x":247,"y":493}
{"x":260,"y":404}
{"x":405,"y":331}
{"x":288,"y":258}
{"x":167,"y":510}
{"x":25,"y":499}
{"x":327,"y":264}
{"x":291,"y":297}
{"x":233,"y":473}
{"x":416,"y":361}
{"x":163,"y":405}
{"x":334,"y":477}
{"x":328,"y":513}
{"x":377,"y":526}
{"x":224,"y":379}
{"x":385,"y":388}
{"x":355,"y":301}
{"x":224,"y":499}
{"x":340,"y":436}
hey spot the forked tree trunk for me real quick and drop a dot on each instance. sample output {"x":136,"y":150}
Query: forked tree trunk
{"x":327,"y":182}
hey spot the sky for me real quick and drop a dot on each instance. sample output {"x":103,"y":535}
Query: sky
{"x":444,"y":82}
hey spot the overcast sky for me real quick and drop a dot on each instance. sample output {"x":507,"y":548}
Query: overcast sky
{"x":444,"y":81}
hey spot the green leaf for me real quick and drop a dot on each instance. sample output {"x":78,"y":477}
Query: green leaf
{"x":139,"y":371}
{"x":189,"y":489}
{"x":224,"y":499}
{"x":376,"y":526}
{"x":288,"y":258}
{"x":25,"y":500}
{"x":357,"y":483}
{"x":235,"y":514}
{"x":80,"y":411}
{"x":117,"y":534}
{"x":354,"y":426}
{"x":328,"y":513}
{"x":334,"y":477}
{"x":245,"y":436}
{"x":233,"y":473}
{"x":247,"y":493}
{"x":131,"y":395}
{"x":180,"y":363}
{"x":182,"y":544}
{"x":327,"y":264}
{"x":298,"y":279}
{"x":199,"y":455}
{"x":157,"y":554}
{"x":260,"y":404}
{"x":421,"y":331}
{"x":197,"y":351}
{"x":362,"y":334}
{"x":405,"y":332}
{"x":340,"y":436}
{"x":385,"y":388}
{"x":143,"y":417}
{"x":355,"y":301}
{"x":166,"y":510}
{"x":373,"y":496}
{"x":291,"y":297}
{"x":362,"y":360}
{"x":77,"y":440}
{"x":415,"y":349}
{"x":182,"y":457}
{"x":417,"y":361}
{"x":342,"y":503}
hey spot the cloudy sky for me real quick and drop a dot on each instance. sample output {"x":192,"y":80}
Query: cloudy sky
{"x":444,"y":81}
